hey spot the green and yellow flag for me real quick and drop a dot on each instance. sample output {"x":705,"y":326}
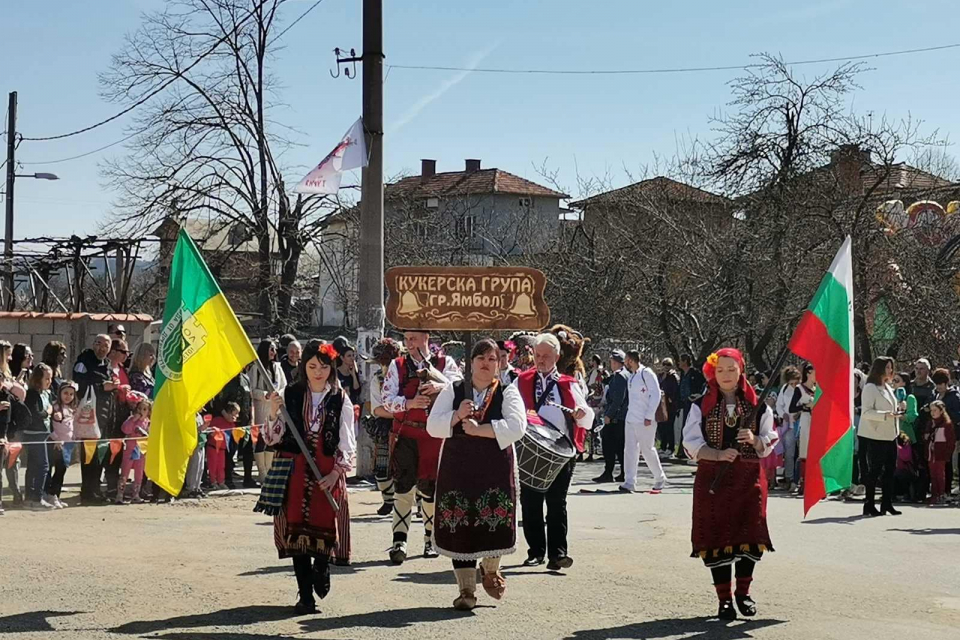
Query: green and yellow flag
{"x":202,"y":347}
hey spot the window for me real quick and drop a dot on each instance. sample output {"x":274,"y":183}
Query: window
{"x":526,"y":202}
{"x":466,"y":227}
{"x":433,"y":203}
{"x":420,"y":229}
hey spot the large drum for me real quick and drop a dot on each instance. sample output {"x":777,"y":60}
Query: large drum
{"x":542,"y":453}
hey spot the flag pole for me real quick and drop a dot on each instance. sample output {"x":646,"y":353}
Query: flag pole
{"x":292,"y":428}
{"x":761,"y":403}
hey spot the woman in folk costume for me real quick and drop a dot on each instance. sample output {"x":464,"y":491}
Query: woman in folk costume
{"x":305,"y":523}
{"x":476,"y":516}
{"x":730,"y":491}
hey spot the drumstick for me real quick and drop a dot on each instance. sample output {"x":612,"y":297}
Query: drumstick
{"x":551,"y":403}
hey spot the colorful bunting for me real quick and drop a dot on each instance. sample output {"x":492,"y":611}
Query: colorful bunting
{"x":13,"y":450}
{"x":67,"y":452}
{"x":89,"y":450}
{"x":255,"y":434}
{"x":238,"y":434}
{"x":116,"y":446}
{"x":102,"y":448}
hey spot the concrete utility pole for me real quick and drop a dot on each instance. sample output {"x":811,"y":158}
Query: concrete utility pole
{"x":370,"y":309}
{"x":8,"y":282}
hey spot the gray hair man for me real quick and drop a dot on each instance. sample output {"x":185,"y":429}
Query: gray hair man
{"x":545,"y":391}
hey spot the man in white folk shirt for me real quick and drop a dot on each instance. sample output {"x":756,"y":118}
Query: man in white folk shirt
{"x":565,"y":391}
{"x":640,"y":432}
{"x":416,"y":454}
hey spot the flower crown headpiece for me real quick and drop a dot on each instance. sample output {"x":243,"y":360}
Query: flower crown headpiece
{"x":710,"y":366}
{"x":328,"y":350}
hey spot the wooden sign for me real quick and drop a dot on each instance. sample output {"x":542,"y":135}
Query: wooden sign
{"x":467,"y":298}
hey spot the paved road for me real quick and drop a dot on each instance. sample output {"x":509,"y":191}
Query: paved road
{"x":197,"y":571}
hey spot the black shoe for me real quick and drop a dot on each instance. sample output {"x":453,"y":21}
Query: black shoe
{"x":305,"y":607}
{"x":398,"y":553}
{"x":250,"y":483}
{"x":590,"y":458}
{"x":620,"y":478}
{"x":563,"y":562}
{"x":603,"y":478}
{"x":385,"y":509}
{"x":533,"y":561}
{"x":888,"y":509}
{"x":726,"y":611}
{"x":870,"y":511}
{"x":321,"y":579}
{"x":747,"y":607}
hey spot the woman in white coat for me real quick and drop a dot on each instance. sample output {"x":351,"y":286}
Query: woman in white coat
{"x":878,"y":431}
{"x":262,"y":389}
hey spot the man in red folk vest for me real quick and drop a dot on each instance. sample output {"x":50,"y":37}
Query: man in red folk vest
{"x":563,"y":390}
{"x":416,"y":454}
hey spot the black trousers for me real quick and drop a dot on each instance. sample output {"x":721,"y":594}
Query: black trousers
{"x":57,"y":470}
{"x":551,"y":543}
{"x":665,"y":432}
{"x":111,"y":472}
{"x":612,"y":446}
{"x":881,"y":465}
{"x":89,"y":474}
{"x":303,"y":569}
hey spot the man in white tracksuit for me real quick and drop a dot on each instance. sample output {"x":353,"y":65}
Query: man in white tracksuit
{"x":640,"y":432}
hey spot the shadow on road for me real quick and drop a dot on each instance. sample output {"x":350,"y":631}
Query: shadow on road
{"x":391,"y":619}
{"x":837,"y":520}
{"x":226,"y":635}
{"x":920,"y":532}
{"x":354,"y":567}
{"x":688,"y":628}
{"x":235,"y":617}
{"x":32,"y":621}
{"x":440,"y":577}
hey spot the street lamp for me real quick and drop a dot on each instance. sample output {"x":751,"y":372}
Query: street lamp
{"x":38,"y":176}
{"x":8,"y":240}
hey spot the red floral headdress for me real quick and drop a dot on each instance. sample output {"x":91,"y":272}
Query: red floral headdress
{"x":328,"y":350}
{"x":712,"y":396}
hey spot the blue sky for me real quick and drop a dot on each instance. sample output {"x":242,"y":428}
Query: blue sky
{"x":593,"y":125}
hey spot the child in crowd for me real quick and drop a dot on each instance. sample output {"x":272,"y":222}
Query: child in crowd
{"x":941,"y":445}
{"x":63,"y":410}
{"x":221,"y":428}
{"x":136,"y":426}
{"x":905,"y":475}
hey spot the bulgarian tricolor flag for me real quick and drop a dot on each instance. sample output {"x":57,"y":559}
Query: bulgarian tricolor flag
{"x":824,"y":338}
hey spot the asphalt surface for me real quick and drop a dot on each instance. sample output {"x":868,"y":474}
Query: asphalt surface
{"x":208,"y":570}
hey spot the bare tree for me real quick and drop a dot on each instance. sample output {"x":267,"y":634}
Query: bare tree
{"x":207,"y":143}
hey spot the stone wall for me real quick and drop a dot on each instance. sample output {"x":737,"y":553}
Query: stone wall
{"x":76,"y":330}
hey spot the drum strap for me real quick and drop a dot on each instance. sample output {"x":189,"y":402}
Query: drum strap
{"x":546,"y":394}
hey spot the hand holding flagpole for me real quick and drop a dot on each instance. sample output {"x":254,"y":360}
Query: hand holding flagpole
{"x":292,"y":428}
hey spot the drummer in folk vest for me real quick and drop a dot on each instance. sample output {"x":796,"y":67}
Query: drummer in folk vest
{"x":415,"y":454}
{"x":562,"y":390}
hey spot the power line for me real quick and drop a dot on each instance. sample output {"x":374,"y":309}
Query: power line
{"x":84,"y":155}
{"x":737,"y":67}
{"x":292,"y":24}
{"x":163,"y":86}
{"x":122,"y":140}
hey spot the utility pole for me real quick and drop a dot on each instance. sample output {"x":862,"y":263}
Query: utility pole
{"x":370,"y":311}
{"x":11,"y":177}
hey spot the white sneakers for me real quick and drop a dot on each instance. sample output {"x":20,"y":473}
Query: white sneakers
{"x":41,"y":505}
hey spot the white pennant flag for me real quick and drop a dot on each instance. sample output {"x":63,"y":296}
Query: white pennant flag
{"x":350,"y":154}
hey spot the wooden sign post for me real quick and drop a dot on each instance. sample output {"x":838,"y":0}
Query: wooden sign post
{"x":467,"y":299}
